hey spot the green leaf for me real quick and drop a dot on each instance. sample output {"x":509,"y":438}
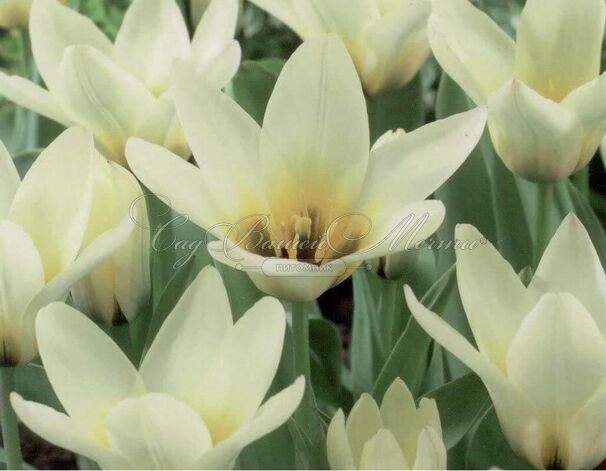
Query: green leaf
{"x":462,"y":403}
{"x":409,"y":358}
{"x":32,"y":383}
{"x":489,"y":448}
{"x":401,"y":108}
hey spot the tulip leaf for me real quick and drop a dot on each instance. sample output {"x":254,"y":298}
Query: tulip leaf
{"x":402,"y":108}
{"x":462,"y":404}
{"x":489,"y":449}
{"x":410,"y":356}
{"x":32,"y":383}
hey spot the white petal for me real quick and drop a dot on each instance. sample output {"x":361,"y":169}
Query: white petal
{"x":289,"y":280}
{"x":587,"y":434}
{"x":412,"y":166}
{"x":21,"y":278}
{"x":347,"y":18}
{"x":53,"y":202}
{"x":61,"y":431}
{"x":537,"y":138}
{"x":152,"y":34}
{"x":363,"y":423}
{"x":189,"y":338}
{"x":222,"y":69}
{"x":225,"y":142}
{"x":156,"y":431}
{"x":9,"y":181}
{"x":382,"y":452}
{"x":571,"y":264}
{"x":178,"y":183}
{"x":559,"y":45}
{"x":54,"y":28}
{"x":31,"y":96}
{"x":102,"y":97}
{"x":237,"y":378}
{"x":282,"y":10}
{"x":316,"y":139}
{"x":72,"y":346}
{"x":558,"y":359}
{"x":214,"y":33}
{"x":431,"y":452}
{"x":339,"y":451}
{"x":588,"y":102}
{"x":470,"y":47}
{"x":493,"y":295}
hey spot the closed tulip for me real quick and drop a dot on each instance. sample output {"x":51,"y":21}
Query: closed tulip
{"x":541,"y":350}
{"x":118,"y":290}
{"x":43,"y":221}
{"x":301,"y":202}
{"x":544,"y":93}
{"x":397,"y":435}
{"x":123,"y":89}
{"x":196,"y":401}
{"x":387,"y":39}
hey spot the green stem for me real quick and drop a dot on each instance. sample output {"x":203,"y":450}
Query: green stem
{"x":300,"y":327}
{"x":10,"y":428}
{"x":545,"y":195}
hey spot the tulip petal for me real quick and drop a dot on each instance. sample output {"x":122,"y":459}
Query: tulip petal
{"x":21,"y":278}
{"x":102,"y":97}
{"x":571,"y":264}
{"x":412,"y":166}
{"x":53,"y":202}
{"x":339,"y":451}
{"x":152,"y":35}
{"x":431,"y":452}
{"x":559,"y":45}
{"x":286,"y":279}
{"x":315,"y":147}
{"x":156,"y":431}
{"x":9,"y":181}
{"x":222,"y":69}
{"x":535,"y":137}
{"x":470,"y":47}
{"x":399,"y":46}
{"x":347,"y":18}
{"x":54,"y":28}
{"x":189,"y":338}
{"x":104,"y":374}
{"x":283,"y":11}
{"x":557,"y":358}
{"x":214,"y":33}
{"x":271,"y":415}
{"x":588,"y":102}
{"x":237,"y":378}
{"x":61,"y":431}
{"x":180,"y":184}
{"x":33,"y":97}
{"x":58,"y":288}
{"x":225,"y":141}
{"x":587,"y":434}
{"x":363,"y":423}
{"x":382,"y":452}
{"x":493,"y":295}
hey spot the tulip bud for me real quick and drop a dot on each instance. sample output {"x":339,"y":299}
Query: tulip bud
{"x":117,"y":291}
{"x":398,"y":435}
{"x":541,"y":349}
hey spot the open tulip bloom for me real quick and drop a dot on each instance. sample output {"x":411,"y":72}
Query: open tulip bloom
{"x":196,"y":401}
{"x":43,"y":249}
{"x":542,"y":350}
{"x":387,"y":39}
{"x":123,"y":89}
{"x":398,"y":435}
{"x":545,"y":99}
{"x":301,"y":202}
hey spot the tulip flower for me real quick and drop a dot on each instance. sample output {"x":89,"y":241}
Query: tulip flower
{"x":543,"y":91}
{"x":43,"y":221}
{"x":123,"y":89}
{"x":302,"y":202}
{"x":14,"y":13}
{"x":387,"y":39}
{"x":196,"y":401}
{"x":541,"y":349}
{"x":119,"y":289}
{"x":398,"y":435}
